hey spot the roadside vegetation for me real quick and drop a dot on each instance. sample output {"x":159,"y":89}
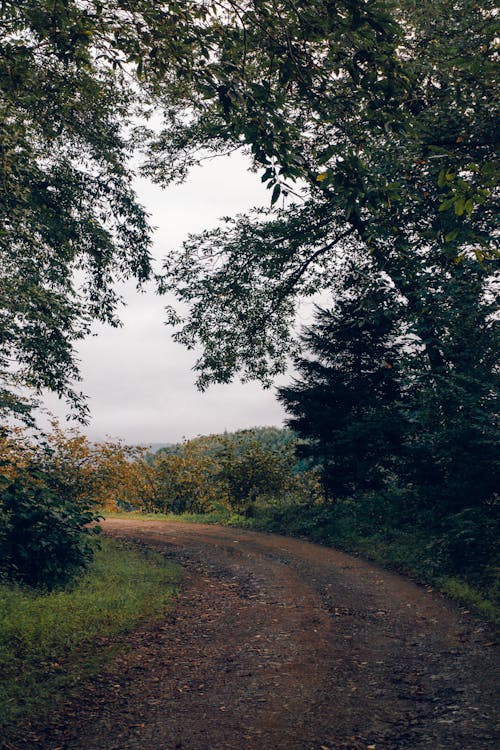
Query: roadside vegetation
{"x":267,"y":479}
{"x":50,"y":641}
{"x":373,"y":126}
{"x":65,"y":593}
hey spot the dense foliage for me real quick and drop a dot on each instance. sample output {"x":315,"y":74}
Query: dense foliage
{"x":346,"y":404}
{"x":375,"y":121}
{"x":374,"y":116}
{"x":232,"y":471}
{"x":44,"y":538}
{"x":71,"y":224}
{"x":51,"y":491}
{"x":377,"y":412}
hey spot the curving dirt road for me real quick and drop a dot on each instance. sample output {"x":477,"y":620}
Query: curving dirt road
{"x":278,"y":644}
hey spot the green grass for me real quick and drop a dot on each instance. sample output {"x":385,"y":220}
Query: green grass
{"x":485,"y":603}
{"x":50,"y":642}
{"x":137,"y":515}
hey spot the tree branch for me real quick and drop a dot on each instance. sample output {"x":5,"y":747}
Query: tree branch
{"x":295,"y":278}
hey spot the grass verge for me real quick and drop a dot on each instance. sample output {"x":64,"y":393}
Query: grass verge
{"x":223,"y":517}
{"x":51,"y":642}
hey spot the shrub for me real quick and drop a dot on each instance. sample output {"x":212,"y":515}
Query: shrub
{"x":44,"y":539}
{"x":467,"y":542}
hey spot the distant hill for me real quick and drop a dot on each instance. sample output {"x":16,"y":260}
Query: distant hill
{"x":154,"y":447}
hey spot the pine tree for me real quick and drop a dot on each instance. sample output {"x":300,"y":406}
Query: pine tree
{"x":346,"y":401}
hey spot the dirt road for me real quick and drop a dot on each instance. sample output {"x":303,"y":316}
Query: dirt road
{"x":278,"y":644}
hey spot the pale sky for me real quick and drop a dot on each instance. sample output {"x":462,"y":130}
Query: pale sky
{"x":139,"y":382}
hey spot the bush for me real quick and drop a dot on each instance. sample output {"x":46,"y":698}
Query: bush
{"x":467,"y":542}
{"x":44,"y":539}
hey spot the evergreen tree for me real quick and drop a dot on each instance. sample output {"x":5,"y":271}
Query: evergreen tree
{"x":346,"y":401}
{"x":373,"y":405}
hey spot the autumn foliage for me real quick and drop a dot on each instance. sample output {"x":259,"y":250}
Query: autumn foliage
{"x":51,"y":492}
{"x":235,"y":471}
{"x":52,"y":489}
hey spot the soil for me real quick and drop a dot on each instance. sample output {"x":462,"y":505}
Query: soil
{"x":279,"y":644}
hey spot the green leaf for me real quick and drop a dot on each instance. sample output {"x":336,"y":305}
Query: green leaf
{"x":469,"y":206}
{"x":276,"y":194}
{"x":448,"y":203}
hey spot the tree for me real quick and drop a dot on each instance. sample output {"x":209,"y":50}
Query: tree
{"x":186,"y":478}
{"x":375,"y":116}
{"x":231,"y":470}
{"x":71,"y":87}
{"x":452,"y":446}
{"x":376,"y":119}
{"x":376,"y":125}
{"x":103,"y":474}
{"x":250,"y":470}
{"x":71,"y":224}
{"x":45,"y":534}
{"x":347,"y":402}
{"x":377,"y":413}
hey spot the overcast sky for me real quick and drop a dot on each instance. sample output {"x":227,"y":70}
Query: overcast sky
{"x":139,"y":382}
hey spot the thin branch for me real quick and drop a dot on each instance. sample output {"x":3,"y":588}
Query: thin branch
{"x":295,"y":277}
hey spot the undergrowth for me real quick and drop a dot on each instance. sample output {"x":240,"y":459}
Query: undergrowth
{"x":51,"y":641}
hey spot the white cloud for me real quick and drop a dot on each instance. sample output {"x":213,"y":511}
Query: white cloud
{"x":139,"y":382}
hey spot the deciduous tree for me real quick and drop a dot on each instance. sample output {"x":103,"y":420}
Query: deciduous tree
{"x":376,"y":120}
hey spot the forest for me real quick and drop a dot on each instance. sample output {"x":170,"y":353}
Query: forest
{"x":379,"y":153}
{"x":374,"y":128}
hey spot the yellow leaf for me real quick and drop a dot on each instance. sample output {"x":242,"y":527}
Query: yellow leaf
{"x":322,"y":177}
